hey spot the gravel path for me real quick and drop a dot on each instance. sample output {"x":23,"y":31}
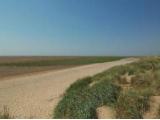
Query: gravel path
{"x":35,"y":96}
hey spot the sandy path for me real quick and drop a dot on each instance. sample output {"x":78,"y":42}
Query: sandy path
{"x":35,"y":96}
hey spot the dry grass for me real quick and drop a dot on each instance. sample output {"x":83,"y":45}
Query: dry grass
{"x":5,"y":113}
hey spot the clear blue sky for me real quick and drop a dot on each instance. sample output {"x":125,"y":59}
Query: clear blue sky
{"x":79,"y":27}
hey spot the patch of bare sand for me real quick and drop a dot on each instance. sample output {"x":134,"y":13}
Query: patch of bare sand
{"x":152,"y":113}
{"x":36,"y":96}
{"x":105,"y":112}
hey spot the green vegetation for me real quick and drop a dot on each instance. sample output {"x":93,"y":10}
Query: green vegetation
{"x":81,"y":101}
{"x":58,"y":61}
{"x":109,"y":88}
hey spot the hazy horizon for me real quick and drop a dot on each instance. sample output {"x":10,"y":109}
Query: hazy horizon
{"x":79,"y":27}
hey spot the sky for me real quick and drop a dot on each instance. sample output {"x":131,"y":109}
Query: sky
{"x":79,"y":27}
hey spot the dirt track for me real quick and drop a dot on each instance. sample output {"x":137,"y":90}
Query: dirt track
{"x":35,"y":96}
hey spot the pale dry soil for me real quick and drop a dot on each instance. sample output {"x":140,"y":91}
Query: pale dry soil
{"x":105,"y":112}
{"x":152,"y":113}
{"x":36,"y":96}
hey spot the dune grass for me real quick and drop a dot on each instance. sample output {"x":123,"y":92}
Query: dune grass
{"x":84,"y":96}
{"x":5,"y":113}
{"x":132,"y":105}
{"x":81,"y":101}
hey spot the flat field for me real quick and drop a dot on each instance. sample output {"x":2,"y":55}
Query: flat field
{"x":11,"y":66}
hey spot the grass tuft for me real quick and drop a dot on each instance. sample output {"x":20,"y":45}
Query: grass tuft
{"x":5,"y":114}
{"x":131,"y":105}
